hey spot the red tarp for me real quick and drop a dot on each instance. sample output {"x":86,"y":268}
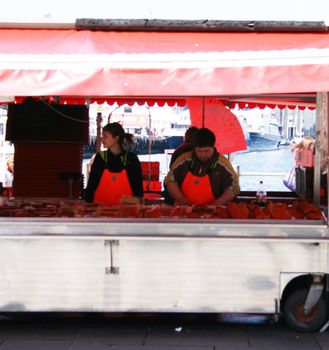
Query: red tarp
{"x":85,"y":63}
{"x":211,"y":113}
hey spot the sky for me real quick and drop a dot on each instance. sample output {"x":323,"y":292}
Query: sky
{"x":66,"y":11}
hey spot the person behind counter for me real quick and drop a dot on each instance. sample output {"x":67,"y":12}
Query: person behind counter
{"x":116,"y":172}
{"x":202,"y":176}
{"x":186,"y":146}
{"x":9,"y":178}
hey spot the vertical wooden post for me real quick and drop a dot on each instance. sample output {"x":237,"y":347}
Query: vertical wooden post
{"x":321,"y":143}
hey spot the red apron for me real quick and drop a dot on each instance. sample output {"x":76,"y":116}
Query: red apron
{"x":112,"y":187}
{"x":197,"y":189}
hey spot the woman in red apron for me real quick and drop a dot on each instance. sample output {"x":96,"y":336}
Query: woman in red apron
{"x":202,"y":176}
{"x":115,"y":172}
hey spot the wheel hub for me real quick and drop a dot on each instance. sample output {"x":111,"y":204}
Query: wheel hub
{"x":302,"y":316}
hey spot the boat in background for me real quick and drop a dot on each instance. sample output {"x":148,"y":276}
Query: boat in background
{"x":265,"y":138}
{"x":262,"y":130}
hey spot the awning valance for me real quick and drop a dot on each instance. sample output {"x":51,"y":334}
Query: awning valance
{"x":87,"y":63}
{"x":120,"y":101}
{"x":291,"y":101}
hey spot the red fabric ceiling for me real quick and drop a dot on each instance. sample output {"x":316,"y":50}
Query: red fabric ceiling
{"x":85,"y":63}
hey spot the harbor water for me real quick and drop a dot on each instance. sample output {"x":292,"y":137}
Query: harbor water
{"x":270,"y":166}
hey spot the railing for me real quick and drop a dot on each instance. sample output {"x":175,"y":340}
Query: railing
{"x":260,"y":174}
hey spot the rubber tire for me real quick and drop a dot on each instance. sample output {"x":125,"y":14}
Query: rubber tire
{"x":294,"y":304}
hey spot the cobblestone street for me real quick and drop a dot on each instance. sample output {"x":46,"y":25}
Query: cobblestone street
{"x":152,"y":332}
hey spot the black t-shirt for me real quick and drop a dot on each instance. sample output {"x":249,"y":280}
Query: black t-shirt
{"x":115,"y":163}
{"x":184,"y":147}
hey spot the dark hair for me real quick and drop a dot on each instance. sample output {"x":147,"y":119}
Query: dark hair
{"x":115,"y":129}
{"x":204,"y":138}
{"x":189,"y":133}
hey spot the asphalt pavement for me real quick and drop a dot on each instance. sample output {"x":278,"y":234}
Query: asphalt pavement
{"x":152,"y":332}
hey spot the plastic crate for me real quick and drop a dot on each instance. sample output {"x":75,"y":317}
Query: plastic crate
{"x":305,"y":158}
{"x":153,"y":186}
{"x":151,"y":170}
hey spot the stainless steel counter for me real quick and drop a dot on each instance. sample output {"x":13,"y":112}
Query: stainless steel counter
{"x":154,"y":265}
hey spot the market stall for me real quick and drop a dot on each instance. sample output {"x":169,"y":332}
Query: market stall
{"x":69,"y":256}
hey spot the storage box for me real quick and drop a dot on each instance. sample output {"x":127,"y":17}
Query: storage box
{"x":151,"y":170}
{"x":153,"y":186}
{"x":305,"y":158}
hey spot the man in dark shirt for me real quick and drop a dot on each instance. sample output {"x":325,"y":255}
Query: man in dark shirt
{"x":202,"y":176}
{"x":186,"y":146}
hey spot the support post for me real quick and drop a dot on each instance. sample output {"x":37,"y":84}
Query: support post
{"x":99,"y":119}
{"x":321,"y":143}
{"x":203,"y":111}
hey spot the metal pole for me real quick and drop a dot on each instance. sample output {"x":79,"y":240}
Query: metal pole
{"x":286,"y":126}
{"x":149,"y":150}
{"x":203,"y":111}
{"x":99,"y":120}
{"x":325,"y":167}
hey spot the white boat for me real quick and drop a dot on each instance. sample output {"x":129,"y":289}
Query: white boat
{"x":269,"y":137}
{"x":261,"y":129}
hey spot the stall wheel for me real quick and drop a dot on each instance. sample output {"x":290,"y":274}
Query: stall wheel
{"x":296,"y":317}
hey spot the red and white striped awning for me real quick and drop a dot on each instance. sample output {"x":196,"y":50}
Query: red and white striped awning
{"x":72,"y":63}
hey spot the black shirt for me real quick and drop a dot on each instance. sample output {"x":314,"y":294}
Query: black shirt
{"x":115,"y":163}
{"x":184,"y":147}
{"x":220,"y":170}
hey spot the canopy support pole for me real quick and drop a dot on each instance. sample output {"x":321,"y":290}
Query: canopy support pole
{"x":99,"y":120}
{"x":321,"y":143}
{"x":203,"y":111}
